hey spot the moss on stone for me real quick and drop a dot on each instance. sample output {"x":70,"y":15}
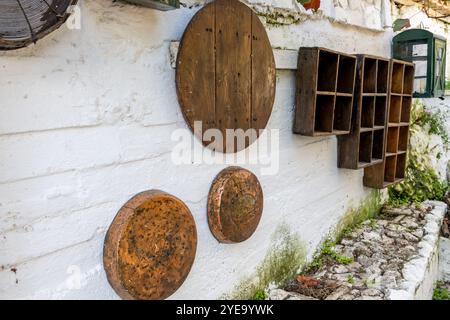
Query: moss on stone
{"x":368,"y":209}
{"x":284,"y":259}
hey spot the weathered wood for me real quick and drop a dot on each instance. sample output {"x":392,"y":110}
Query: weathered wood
{"x":364,"y":146}
{"x":392,"y":169}
{"x":235,"y":205}
{"x":325,"y":84}
{"x":26,"y":21}
{"x":150,"y":246}
{"x":226,"y":72}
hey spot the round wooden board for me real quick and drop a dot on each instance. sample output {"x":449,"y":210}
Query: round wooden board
{"x":150,"y":246}
{"x":226,"y":72}
{"x":235,"y":205}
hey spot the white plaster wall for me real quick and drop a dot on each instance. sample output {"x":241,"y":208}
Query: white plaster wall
{"x":420,"y":20}
{"x":85,"y":123}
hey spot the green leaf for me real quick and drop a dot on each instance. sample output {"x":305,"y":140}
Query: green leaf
{"x":401,"y":24}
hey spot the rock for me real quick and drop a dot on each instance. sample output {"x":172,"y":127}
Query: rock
{"x":347,"y":242}
{"x":372,"y":292}
{"x":398,"y":219}
{"x":341,"y":277}
{"x":371,"y":236}
{"x":278,"y":294}
{"x":338,"y":293}
{"x":392,"y":273}
{"x":395,"y":227}
{"x":409,"y":223}
{"x":401,"y":242}
{"x":365,"y":261}
{"x":392,"y":234}
{"x":410,"y":237}
{"x":347,"y":297}
{"x":368,"y":298}
{"x":374,"y":270}
{"x":339,"y":269}
{"x":387,"y":240}
{"x":397,"y":211}
{"x":354,"y":267}
{"x":382,"y":223}
{"x":418,"y":233}
{"x":298,"y":296}
{"x":361,"y":249}
{"x":388,"y":281}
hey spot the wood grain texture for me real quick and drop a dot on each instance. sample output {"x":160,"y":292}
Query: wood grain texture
{"x":392,"y":169}
{"x":325,"y":84}
{"x":150,"y":246}
{"x":226,"y":72}
{"x":369,"y":115}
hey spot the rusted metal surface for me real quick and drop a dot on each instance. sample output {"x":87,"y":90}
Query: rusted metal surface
{"x":23,"y":22}
{"x":150,"y":246}
{"x":235,"y":205}
{"x":226,"y":73}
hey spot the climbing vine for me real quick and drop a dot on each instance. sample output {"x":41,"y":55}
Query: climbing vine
{"x":422,"y":182}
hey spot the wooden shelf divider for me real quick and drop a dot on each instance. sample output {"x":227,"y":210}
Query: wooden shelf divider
{"x":392,"y":169}
{"x":325,"y":84}
{"x":364,"y":146}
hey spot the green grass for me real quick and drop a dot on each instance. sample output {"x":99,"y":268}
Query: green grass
{"x":441,"y":293}
{"x":260,"y":295}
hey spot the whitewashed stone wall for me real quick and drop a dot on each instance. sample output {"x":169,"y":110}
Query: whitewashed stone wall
{"x":86,"y":118}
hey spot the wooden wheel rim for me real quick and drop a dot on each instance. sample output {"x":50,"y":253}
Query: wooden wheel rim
{"x":226,"y":72}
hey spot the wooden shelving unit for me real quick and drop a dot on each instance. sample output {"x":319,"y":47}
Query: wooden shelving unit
{"x":392,"y":169}
{"x":325,"y":84}
{"x":364,"y":146}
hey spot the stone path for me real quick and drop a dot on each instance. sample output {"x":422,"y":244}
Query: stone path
{"x":382,"y":251}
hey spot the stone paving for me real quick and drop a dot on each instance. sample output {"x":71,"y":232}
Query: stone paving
{"x":381,"y":251}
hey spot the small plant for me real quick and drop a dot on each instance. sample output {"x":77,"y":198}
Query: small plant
{"x":327,"y":252}
{"x":422,"y":182}
{"x":351,"y":279}
{"x":260,"y":295}
{"x":441,"y":293}
{"x":343,"y":259}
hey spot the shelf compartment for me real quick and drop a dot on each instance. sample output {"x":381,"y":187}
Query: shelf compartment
{"x":392,"y":140}
{"x":406,"y":109}
{"x":346,"y":74}
{"x":328,"y":68}
{"x":378,"y":144}
{"x":370,"y":75}
{"x":324,"y":113}
{"x":400,"y":166}
{"x":320,"y":109}
{"x":403,"y":139}
{"x":382,"y":76}
{"x":342,"y":113}
{"x":390,"y":168}
{"x":397,"y":77}
{"x":365,"y":147}
{"x":380,"y":111}
{"x":367,"y":112}
{"x":408,"y":80}
{"x":395,"y":109}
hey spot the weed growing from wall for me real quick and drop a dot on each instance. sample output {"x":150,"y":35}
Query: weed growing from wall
{"x":367,"y":210}
{"x":284,"y":259}
{"x":422,"y":182}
